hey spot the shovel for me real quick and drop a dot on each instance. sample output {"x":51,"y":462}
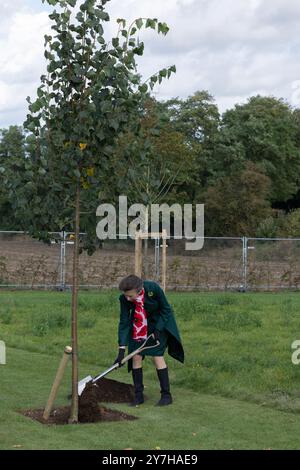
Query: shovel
{"x":89,"y":379}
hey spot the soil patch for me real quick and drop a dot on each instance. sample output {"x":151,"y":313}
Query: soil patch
{"x":61,"y":415}
{"x":90,"y":410}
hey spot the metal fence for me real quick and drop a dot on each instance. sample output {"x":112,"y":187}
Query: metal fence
{"x":239,"y":263}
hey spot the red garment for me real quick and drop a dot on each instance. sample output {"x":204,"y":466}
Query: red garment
{"x":140,"y":324}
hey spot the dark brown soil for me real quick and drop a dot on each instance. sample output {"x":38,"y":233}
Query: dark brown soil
{"x":112,"y":391}
{"x":90,"y":410}
{"x":61,"y":415}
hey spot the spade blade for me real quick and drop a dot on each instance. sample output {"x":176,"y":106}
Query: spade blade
{"x":82,"y":383}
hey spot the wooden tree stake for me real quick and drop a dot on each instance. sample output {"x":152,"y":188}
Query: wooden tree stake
{"x":139,"y":236}
{"x":57,"y":381}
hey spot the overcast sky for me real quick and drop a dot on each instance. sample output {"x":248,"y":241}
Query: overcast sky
{"x":232,"y":48}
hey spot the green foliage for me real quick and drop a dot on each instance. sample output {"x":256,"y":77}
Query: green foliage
{"x":12,"y":146}
{"x":179,"y":151}
{"x":290,"y":226}
{"x":236,"y":204}
{"x":90,"y":94}
{"x":266,"y":130}
{"x":267,"y":228}
{"x":43,"y":322}
{"x":153,"y":166}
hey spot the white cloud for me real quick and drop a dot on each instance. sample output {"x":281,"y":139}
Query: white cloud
{"x":232,"y":48}
{"x":21,"y":60}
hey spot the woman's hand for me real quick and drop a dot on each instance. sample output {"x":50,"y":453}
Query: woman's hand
{"x":120,"y":357}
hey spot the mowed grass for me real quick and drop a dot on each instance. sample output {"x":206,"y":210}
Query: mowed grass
{"x":237,"y":389}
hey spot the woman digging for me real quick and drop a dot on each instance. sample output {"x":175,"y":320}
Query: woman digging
{"x":144,"y":310}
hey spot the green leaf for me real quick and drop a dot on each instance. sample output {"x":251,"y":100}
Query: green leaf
{"x":47,"y":38}
{"x":121,"y":21}
{"x":77,"y":173}
{"x":163,"y":28}
{"x":163,"y":73}
{"x":139,"y":23}
{"x":114,"y":124}
{"x":151,"y":23}
{"x":143,"y":88}
{"x":116,"y":42}
{"x":102,"y":15}
{"x":140,"y":49}
{"x":36,"y":106}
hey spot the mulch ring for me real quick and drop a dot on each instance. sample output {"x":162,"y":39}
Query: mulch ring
{"x":90,"y":410}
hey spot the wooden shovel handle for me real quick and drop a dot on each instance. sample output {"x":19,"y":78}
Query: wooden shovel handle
{"x":140,"y":349}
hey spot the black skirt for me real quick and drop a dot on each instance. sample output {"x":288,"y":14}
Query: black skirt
{"x":157,"y":350}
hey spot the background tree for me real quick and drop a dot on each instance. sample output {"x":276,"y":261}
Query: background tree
{"x":264,"y":131}
{"x":197,"y":118}
{"x":153,"y":167}
{"x":236,"y":204}
{"x":12,"y":145}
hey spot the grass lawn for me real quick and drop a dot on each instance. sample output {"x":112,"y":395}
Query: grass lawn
{"x":237,"y":390}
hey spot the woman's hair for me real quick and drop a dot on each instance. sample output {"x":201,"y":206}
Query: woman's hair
{"x":131,"y":282}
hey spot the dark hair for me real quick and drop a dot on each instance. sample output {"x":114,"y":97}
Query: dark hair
{"x":131,"y":282}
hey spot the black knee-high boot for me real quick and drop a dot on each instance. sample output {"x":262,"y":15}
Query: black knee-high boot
{"x":137,"y":375}
{"x":166,"y":397}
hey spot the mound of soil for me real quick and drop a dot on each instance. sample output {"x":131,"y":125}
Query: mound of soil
{"x":90,"y":410}
{"x":112,"y":391}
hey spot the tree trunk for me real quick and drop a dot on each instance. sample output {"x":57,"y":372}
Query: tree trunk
{"x":146,"y":265}
{"x":74,"y":406}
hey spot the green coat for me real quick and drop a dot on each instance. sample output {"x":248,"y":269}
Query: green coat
{"x":160,"y":316}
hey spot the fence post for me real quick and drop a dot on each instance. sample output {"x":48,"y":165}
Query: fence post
{"x":138,"y":254}
{"x":245,"y":262}
{"x":62,"y":260}
{"x":164,"y":259}
{"x":157,"y":259}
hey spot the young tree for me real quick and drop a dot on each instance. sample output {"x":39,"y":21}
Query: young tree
{"x":90,"y":93}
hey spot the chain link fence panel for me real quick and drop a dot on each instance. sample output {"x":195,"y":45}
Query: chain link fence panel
{"x":222,"y":264}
